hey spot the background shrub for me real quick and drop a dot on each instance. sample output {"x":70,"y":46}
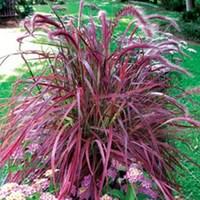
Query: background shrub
{"x":192,"y":16}
{"x":42,"y":2}
{"x":190,"y":30}
{"x":24,"y":8}
{"x":178,"y":5}
{"x":2,"y":4}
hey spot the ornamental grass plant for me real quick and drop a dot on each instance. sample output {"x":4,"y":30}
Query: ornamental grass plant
{"x":100,"y":99}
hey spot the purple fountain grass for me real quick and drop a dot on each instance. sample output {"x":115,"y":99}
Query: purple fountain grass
{"x":95,"y":105}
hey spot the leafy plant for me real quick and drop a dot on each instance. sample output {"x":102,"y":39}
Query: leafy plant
{"x":102,"y":97}
{"x":42,"y":2}
{"x":189,"y":30}
{"x":192,"y":16}
{"x":2,"y":4}
{"x":178,"y":5}
{"x":35,"y":191}
{"x":124,"y":0}
{"x":24,"y":8}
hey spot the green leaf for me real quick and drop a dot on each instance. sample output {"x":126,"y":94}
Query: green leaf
{"x":15,"y":168}
{"x":28,"y":156}
{"x":52,"y":188}
{"x":142,"y":197}
{"x":35,"y":196}
{"x":116,"y":194}
{"x":131,"y":194}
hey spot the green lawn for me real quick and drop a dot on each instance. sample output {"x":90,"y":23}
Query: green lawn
{"x":190,"y":182}
{"x":111,"y":6}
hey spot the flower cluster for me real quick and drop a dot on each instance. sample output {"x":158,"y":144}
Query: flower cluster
{"x":31,"y":145}
{"x":84,"y":190}
{"x":41,"y":184}
{"x":117,"y":173}
{"x":19,"y":154}
{"x":14,"y":191}
{"x":120,"y":176}
{"x":49,"y":172}
{"x":106,"y":197}
{"x":135,"y":175}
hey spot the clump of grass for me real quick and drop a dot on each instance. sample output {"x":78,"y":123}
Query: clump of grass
{"x":93,"y":104}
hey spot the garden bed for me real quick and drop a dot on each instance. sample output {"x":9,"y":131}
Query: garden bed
{"x":188,"y":193}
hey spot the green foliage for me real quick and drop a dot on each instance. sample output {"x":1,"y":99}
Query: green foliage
{"x":190,"y":180}
{"x":190,"y":24}
{"x":131,"y":194}
{"x":3,"y":174}
{"x":13,"y":168}
{"x":42,"y":2}
{"x":36,"y":196}
{"x":60,"y":2}
{"x":2,"y":4}
{"x":115,"y":193}
{"x":190,"y":30}
{"x":192,"y":16}
{"x":24,"y":8}
{"x":178,"y":5}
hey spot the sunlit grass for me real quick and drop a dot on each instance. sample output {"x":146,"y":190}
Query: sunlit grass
{"x":190,"y":181}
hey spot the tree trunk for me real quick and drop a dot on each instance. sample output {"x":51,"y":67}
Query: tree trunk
{"x":190,"y":5}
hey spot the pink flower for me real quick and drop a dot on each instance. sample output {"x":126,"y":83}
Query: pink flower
{"x":86,"y":181}
{"x":18,"y":154}
{"x":7,"y":188}
{"x":134,"y":174}
{"x":32,"y":148}
{"x":27,"y":190}
{"x":112,"y":173}
{"x":84,"y":190}
{"x":47,"y":196}
{"x":106,"y":197}
{"x":41,"y":184}
{"x":16,"y":195}
{"x":146,"y":183}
